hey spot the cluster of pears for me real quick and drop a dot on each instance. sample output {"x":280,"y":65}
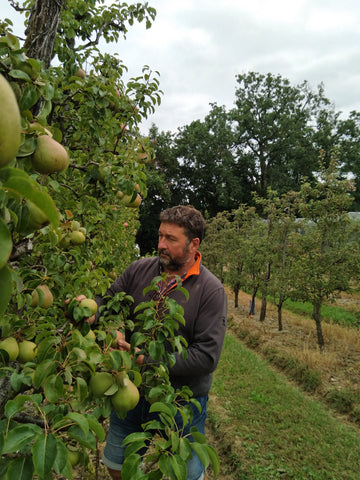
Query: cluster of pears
{"x":123,"y":392}
{"x":24,"y":351}
{"x":49,"y":155}
{"x":133,"y":200}
{"x":72,"y":233}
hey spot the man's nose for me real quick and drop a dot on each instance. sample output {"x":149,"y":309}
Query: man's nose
{"x":161,"y":244}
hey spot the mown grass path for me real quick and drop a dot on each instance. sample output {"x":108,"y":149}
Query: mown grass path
{"x":266,"y":428}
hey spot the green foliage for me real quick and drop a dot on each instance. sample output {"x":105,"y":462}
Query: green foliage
{"x":301,"y":246}
{"x":94,"y":115}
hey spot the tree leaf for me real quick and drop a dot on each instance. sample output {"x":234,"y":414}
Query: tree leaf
{"x":61,"y":464}
{"x":53,"y":388}
{"x":20,"y":436}
{"x":5,"y":242}
{"x":21,"y":184}
{"x":136,"y":436}
{"x":81,"y":388}
{"x":201,"y":452}
{"x":95,"y":427}
{"x":20,"y":75}
{"x":44,"y":454}
{"x":16,"y":405}
{"x":130,"y":467}
{"x":88,"y":441}
{"x":5,"y":288}
{"x":43,"y":371}
{"x":197,"y":436}
{"x":21,"y":468}
{"x":156,"y":349}
{"x":29,"y":97}
{"x":163,"y":408}
{"x":214,"y":458}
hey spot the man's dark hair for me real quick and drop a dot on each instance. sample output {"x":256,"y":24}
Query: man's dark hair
{"x":187,"y":217}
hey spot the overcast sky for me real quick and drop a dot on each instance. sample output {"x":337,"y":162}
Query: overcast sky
{"x":199,"y":46}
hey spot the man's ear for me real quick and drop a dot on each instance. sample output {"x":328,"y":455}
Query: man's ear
{"x":196,"y":242}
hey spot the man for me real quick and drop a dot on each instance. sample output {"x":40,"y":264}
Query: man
{"x":180,"y":234}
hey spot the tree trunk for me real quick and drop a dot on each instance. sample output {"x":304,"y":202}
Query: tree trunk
{"x":252,"y":303}
{"x":42,"y":29}
{"x":263,"y":308}
{"x":236,"y":293}
{"x":317,"y":317}
{"x":263,"y":300}
{"x":279,"y":312}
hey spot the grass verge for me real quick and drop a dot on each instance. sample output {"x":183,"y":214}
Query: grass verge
{"x":272,"y":429}
{"x":328,"y":312}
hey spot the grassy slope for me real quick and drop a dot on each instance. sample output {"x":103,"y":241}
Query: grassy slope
{"x":274,"y":430}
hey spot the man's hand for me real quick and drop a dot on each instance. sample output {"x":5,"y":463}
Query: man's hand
{"x":124,"y":346}
{"x":91,"y":319}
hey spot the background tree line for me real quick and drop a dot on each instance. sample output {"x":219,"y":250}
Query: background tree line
{"x":271,"y":138}
{"x":302,"y":246}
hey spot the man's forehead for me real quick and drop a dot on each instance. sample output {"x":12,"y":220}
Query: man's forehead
{"x":166,"y":227}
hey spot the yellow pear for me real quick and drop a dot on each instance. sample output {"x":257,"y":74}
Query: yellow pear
{"x":46,"y":299}
{"x":27,"y":351}
{"x":100,"y":382}
{"x":90,"y":303}
{"x":10,"y":123}
{"x":11,"y":346}
{"x":49,"y":156}
{"x":127,"y":396}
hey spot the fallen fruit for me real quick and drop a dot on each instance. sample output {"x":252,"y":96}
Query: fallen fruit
{"x":77,"y":238}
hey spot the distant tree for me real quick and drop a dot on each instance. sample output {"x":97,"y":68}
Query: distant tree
{"x":280,"y":213}
{"x":161,"y":181}
{"x":327,"y":259}
{"x":207,"y":173}
{"x":217,"y":240}
{"x":348,"y":131}
{"x":273,"y":124}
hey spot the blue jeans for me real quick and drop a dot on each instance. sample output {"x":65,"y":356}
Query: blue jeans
{"x":114,"y":452}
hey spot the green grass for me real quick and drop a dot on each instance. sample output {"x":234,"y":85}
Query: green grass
{"x":329,"y":313}
{"x":274,"y":430}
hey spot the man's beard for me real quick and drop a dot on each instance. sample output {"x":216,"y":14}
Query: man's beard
{"x":173,"y":264}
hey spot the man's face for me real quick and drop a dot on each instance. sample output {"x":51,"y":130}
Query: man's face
{"x":176,"y":253}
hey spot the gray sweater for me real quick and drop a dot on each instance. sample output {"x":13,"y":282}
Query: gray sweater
{"x":205,"y":316}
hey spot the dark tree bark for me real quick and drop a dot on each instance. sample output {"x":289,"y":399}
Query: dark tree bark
{"x":42,"y":29}
{"x":317,"y":317}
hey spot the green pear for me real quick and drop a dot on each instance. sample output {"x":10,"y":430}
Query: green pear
{"x":49,"y":156}
{"x":27,"y":351}
{"x":10,"y":123}
{"x":11,"y":346}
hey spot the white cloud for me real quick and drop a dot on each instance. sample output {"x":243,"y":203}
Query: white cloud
{"x":199,"y":46}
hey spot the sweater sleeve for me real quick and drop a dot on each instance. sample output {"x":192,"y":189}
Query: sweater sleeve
{"x":204,"y":350}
